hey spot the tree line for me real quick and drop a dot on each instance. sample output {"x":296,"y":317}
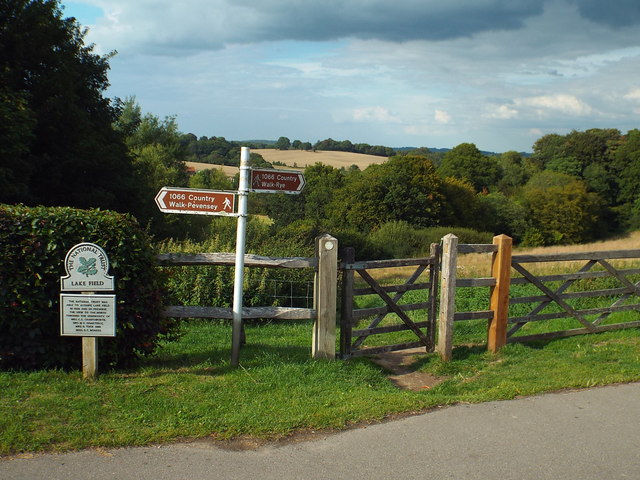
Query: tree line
{"x":62,"y":142}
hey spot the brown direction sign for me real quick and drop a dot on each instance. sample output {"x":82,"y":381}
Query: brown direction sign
{"x":198,"y":202}
{"x":276,"y":181}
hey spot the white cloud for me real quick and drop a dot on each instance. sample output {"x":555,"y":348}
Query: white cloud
{"x":634,"y":94}
{"x":374,"y":114}
{"x":558,"y":103}
{"x":440,"y":116}
{"x":503,"y":112}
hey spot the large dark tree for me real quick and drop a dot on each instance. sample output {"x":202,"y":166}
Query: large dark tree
{"x":57,"y":144}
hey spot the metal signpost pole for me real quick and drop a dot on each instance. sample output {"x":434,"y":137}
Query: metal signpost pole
{"x":243,"y":193}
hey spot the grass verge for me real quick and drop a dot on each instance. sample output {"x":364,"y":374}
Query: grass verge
{"x":189,"y":390}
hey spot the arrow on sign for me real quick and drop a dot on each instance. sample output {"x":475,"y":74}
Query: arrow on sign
{"x":195,"y":202}
{"x":276,"y":181}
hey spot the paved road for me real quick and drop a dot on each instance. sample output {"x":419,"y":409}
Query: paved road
{"x":590,"y":434}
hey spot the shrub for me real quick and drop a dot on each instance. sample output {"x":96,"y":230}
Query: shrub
{"x":33,"y":245}
{"x":400,"y":239}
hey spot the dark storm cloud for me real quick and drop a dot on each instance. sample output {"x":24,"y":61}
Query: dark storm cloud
{"x":386,"y":20}
{"x":613,"y":13}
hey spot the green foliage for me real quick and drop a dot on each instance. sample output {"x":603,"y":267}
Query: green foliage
{"x":503,"y":215}
{"x":466,"y":162}
{"x":213,"y":285}
{"x":57,"y":143}
{"x":561,"y":209}
{"x":330,"y":144}
{"x":33,"y":245}
{"x":403,"y":188}
{"x":398,"y":239}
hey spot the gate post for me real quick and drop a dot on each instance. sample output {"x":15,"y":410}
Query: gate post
{"x":325,"y":297}
{"x":447,"y":296}
{"x":501,"y":271}
{"x":346,"y":304}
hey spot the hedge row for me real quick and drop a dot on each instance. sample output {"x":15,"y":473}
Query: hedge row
{"x":33,"y":245}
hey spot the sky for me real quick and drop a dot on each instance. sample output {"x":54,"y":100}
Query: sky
{"x":422,"y":73}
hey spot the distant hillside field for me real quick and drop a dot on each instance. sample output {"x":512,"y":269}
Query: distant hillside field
{"x":303,"y":158}
{"x":228,"y":171}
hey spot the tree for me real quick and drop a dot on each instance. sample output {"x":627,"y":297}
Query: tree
{"x":514,"y":174}
{"x":283,"y":143}
{"x":561,"y":209}
{"x":466,"y":162}
{"x":57,"y":141}
{"x":403,"y":188}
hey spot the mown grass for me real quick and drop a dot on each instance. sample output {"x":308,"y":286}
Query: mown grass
{"x":189,"y":389}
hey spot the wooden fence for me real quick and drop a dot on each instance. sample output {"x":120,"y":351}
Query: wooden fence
{"x":325,"y":291}
{"x":552,"y":290}
{"x":352,"y":339}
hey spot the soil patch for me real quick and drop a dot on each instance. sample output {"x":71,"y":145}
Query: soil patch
{"x":403,"y":374}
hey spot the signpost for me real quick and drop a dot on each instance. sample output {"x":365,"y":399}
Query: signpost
{"x":196,"y":202}
{"x":85,"y":314}
{"x":276,"y":181}
{"x":209,"y":202}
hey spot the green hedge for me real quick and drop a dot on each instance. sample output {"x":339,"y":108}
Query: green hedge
{"x":33,"y":245}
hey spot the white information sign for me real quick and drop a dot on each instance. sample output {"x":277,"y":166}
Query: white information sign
{"x":87,"y":267}
{"x":87,"y":315}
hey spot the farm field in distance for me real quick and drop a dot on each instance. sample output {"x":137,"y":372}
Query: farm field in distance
{"x":299,"y":159}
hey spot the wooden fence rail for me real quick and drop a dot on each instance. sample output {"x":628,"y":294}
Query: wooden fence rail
{"x":502,"y":327}
{"x":325,"y":288}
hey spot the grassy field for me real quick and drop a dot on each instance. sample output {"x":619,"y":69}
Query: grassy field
{"x":301,"y":158}
{"x":189,"y":390}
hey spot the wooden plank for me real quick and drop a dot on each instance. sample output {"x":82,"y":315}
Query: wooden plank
{"x":281,"y":313}
{"x":499,"y":301}
{"x":572,"y":276}
{"x":89,"y":358}
{"x":567,"y":257}
{"x":475,"y":282}
{"x":572,"y":295}
{"x":228,"y":259}
{"x":393,"y":288}
{"x":570,"y":333}
{"x":434,"y":279}
{"x":401,"y":262}
{"x":346,"y":305}
{"x":385,"y":349}
{"x":447,"y":296}
{"x":396,"y":309}
{"x":386,"y":329}
{"x":564,"y":314}
{"x":323,"y":344}
{"x":479,"y":315}
{"x":476,"y":248}
{"x":361,"y":313}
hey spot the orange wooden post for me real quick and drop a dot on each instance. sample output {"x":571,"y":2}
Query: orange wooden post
{"x":501,"y":271}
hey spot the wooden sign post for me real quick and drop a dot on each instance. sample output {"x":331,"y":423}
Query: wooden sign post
{"x":84,"y":313}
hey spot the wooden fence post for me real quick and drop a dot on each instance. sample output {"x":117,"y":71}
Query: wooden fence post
{"x":89,"y":358}
{"x":325,"y":297}
{"x":447,"y":296}
{"x":501,"y":271}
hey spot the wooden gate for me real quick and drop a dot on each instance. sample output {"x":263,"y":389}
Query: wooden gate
{"x":353,"y":319}
{"x":622,"y":291}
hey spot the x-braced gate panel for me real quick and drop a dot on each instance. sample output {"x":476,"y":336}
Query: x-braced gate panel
{"x":359,"y":324}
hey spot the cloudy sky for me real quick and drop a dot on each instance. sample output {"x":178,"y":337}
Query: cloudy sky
{"x":434,"y":73}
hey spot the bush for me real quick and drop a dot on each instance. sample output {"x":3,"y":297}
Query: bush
{"x":400,"y":239}
{"x":33,"y":245}
{"x":213,"y":285}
